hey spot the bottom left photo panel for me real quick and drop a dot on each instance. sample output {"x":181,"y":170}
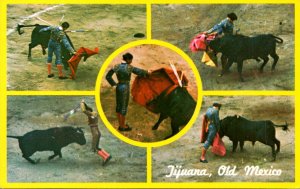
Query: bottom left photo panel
{"x":62,"y":139}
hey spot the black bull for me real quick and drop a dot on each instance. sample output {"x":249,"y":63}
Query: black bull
{"x":53,"y":139}
{"x":179,"y":105}
{"x":239,"y":129}
{"x":42,"y":38}
{"x":237,"y":48}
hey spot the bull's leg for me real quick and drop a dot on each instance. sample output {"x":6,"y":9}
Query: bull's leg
{"x":235,"y":143}
{"x":59,"y":153}
{"x":56,"y":153}
{"x":240,"y":68}
{"x":44,"y":49}
{"x":161,"y":118}
{"x":275,"y":57}
{"x":277,"y":142}
{"x":224,"y":61}
{"x":53,"y":156}
{"x":273,"y":152}
{"x":31,"y":45}
{"x":175,"y":129}
{"x":242,"y":145}
{"x":266,"y":59}
{"x":31,"y":160}
{"x":226,"y":67}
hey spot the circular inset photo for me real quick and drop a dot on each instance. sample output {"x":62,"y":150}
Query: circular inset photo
{"x":148,"y":92}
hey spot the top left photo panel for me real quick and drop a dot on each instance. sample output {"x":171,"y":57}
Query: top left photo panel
{"x":62,"y":47}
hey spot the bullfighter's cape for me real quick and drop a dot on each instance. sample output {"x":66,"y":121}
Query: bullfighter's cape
{"x":146,"y":89}
{"x":200,"y":42}
{"x":218,"y":146}
{"x":75,"y":59}
{"x":207,"y":60}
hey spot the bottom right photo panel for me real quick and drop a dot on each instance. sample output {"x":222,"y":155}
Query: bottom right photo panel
{"x":235,"y":139}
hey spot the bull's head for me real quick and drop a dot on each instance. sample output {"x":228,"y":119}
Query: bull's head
{"x":226,"y":123}
{"x":79,"y":136}
{"x":215,"y":45}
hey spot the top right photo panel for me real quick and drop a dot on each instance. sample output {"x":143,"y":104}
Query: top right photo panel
{"x":234,"y":46}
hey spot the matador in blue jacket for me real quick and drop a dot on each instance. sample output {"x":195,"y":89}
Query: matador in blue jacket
{"x":123,"y":72}
{"x":225,"y":27}
{"x":212,"y":115}
{"x":54,"y":46}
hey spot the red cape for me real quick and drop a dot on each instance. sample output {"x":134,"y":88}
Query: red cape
{"x":200,"y":41}
{"x":218,"y":146}
{"x":75,"y":59}
{"x":145,"y":89}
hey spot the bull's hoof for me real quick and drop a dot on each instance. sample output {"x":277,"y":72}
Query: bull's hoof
{"x":220,"y":75}
{"x":242,"y":80}
{"x":154,"y":127}
{"x":224,"y":71}
{"x":29,"y":58}
{"x":203,"y":161}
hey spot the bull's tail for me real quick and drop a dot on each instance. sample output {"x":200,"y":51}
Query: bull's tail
{"x":284,"y":127}
{"x":24,"y":26}
{"x":277,"y":39}
{"x":17,"y":137}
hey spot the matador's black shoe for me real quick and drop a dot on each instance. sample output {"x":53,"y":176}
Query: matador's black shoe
{"x":125,"y":128}
{"x":50,"y":75}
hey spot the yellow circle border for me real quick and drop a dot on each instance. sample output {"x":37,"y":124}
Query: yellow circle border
{"x":98,"y":88}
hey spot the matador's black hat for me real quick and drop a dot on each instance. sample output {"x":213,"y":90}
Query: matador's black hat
{"x":217,"y":104}
{"x":232,"y":16}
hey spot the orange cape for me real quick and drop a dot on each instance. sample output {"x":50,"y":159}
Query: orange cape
{"x":146,"y":89}
{"x":75,"y":59}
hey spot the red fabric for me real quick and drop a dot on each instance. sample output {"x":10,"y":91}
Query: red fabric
{"x":218,"y":146}
{"x":145,"y":89}
{"x":75,"y":59}
{"x":200,"y":41}
{"x":204,"y":129}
